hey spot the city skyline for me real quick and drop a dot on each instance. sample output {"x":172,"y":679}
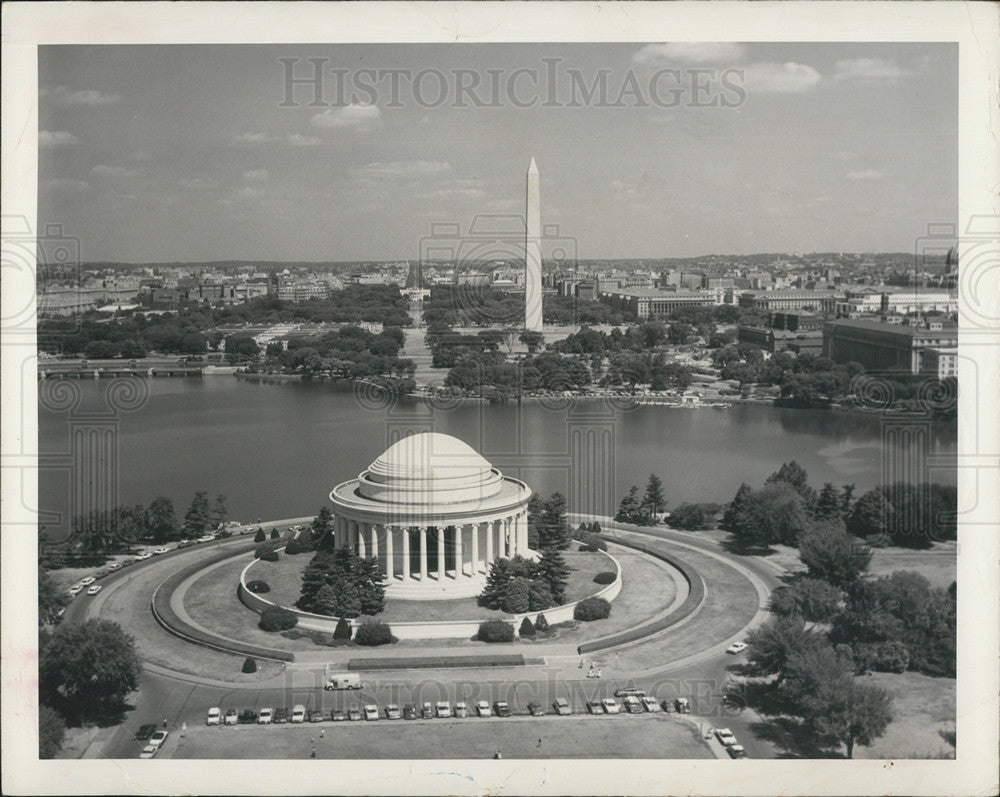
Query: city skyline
{"x":839,"y":147}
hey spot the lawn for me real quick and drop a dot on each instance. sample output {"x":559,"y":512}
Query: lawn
{"x":925,"y":715}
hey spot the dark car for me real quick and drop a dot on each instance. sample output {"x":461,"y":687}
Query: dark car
{"x":427,"y":711}
{"x":736,"y":751}
{"x":501,"y":709}
{"x":595,"y":707}
{"x":317,"y":716}
{"x":144,"y":732}
{"x":409,"y":712}
{"x":536,"y":710}
{"x":354,"y":714}
{"x":632,"y":705}
{"x":249,"y":716}
{"x":102,"y":573}
{"x":280,"y":715}
{"x":337,"y":715}
{"x":682,"y":705}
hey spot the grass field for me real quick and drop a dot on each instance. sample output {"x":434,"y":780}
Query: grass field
{"x":925,"y":714}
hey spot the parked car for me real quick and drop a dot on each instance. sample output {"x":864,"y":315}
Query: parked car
{"x":736,"y":647}
{"x":114,"y":566}
{"x":338,"y":715}
{"x":632,"y":705}
{"x":736,"y":751}
{"x":214,"y":716}
{"x":501,"y":708}
{"x":483,"y":708}
{"x":94,"y":589}
{"x":317,"y":716}
{"x":158,"y":551}
{"x":101,"y":574}
{"x":232,"y":715}
{"x":442,"y":709}
{"x":143,"y":556}
{"x":461,"y":710}
{"x":536,"y":710}
{"x":682,"y":705}
{"x":650,"y":704}
{"x":610,"y":705}
{"x":354,"y":715}
{"x":392,"y":712}
{"x":427,"y":711}
{"x":562,"y":707}
{"x":630,"y":692}
{"x":248,"y":717}
{"x":409,"y":712}
{"x":76,"y":589}
{"x":144,"y":732}
{"x":158,"y":737}
{"x":86,"y":582}
{"x":594,"y":707}
{"x":280,"y":716}
{"x":266,"y":716}
{"x":725,"y":736}
{"x":149,"y":751}
{"x":371,"y":712}
{"x":298,"y":713}
{"x":206,"y":538}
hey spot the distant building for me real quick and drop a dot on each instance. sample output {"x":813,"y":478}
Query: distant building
{"x":652,"y":303}
{"x":586,"y":291}
{"x":860,"y":302}
{"x":881,"y":346}
{"x":472,"y":278}
{"x":692,"y":281}
{"x":821,"y":301}
{"x":939,"y":362}
{"x":712,"y":282}
{"x":793,"y":322}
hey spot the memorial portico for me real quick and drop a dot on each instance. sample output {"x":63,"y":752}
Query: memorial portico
{"x":434,"y":514}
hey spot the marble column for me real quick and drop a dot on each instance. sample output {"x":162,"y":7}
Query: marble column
{"x":489,"y":543}
{"x":406,"y":553}
{"x":374,"y":531}
{"x":440,"y":530}
{"x":522,"y":532}
{"x":459,"y":564}
{"x":475,"y":549}
{"x":423,"y":553}
{"x":360,"y":531}
{"x":390,"y":564}
{"x":508,"y":543}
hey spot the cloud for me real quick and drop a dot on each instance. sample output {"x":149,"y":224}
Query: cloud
{"x":787,"y":78}
{"x":255,"y":174}
{"x":868,"y":69}
{"x":348,"y":116}
{"x":403,"y":169}
{"x":689,"y":53}
{"x":866,"y":174}
{"x":87,"y":97}
{"x":67,"y":186}
{"x":299,"y":140}
{"x":114,"y":172}
{"x":56,"y":138}
{"x":253,"y":138}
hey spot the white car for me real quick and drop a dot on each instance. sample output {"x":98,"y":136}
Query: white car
{"x":371,"y":712}
{"x":158,"y":551}
{"x":143,"y":556}
{"x":483,"y":708}
{"x":266,"y":716}
{"x":206,"y":538}
{"x":611,"y":705}
{"x":443,"y":710}
{"x":149,"y":751}
{"x":86,"y":582}
{"x":114,"y":565}
{"x":725,"y":736}
{"x":76,"y":589}
{"x":299,"y":713}
{"x":650,"y":704}
{"x":214,"y":716}
{"x":158,"y":738}
{"x":736,"y":647}
{"x":94,"y":589}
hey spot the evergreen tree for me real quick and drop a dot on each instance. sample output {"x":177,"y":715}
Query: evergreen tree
{"x":500,"y":574}
{"x":322,"y":529}
{"x":219,"y":511}
{"x":371,"y":585}
{"x":198,"y":515}
{"x":554,"y":573}
{"x":536,"y":507}
{"x":541,"y":623}
{"x":325,"y":601}
{"x":516,"y":596}
{"x":846,"y":500}
{"x":539,"y":596}
{"x":527,"y":628}
{"x":553,"y":530}
{"x":870,"y":514}
{"x":160,"y":520}
{"x":729,"y":518}
{"x":828,"y":505}
{"x":628,"y":509}
{"x":654,"y":501}
{"x":343,"y":629}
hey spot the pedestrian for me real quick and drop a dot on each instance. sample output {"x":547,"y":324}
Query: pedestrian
{"x":164,"y":722}
{"x":322,"y":734}
{"x":539,"y":742}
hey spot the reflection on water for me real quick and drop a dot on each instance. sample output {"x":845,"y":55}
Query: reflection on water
{"x":277,"y":450}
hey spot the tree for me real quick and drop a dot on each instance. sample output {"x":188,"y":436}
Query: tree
{"x":871,"y":514}
{"x":527,"y":628}
{"x":794,"y":474}
{"x":343,"y":629}
{"x":219,"y":510}
{"x":516,"y":596}
{"x":846,"y":500}
{"x":161,"y":520}
{"x":856,"y":714}
{"x":500,"y":574}
{"x":771,"y":515}
{"x":829,"y":503}
{"x":541,"y":623}
{"x":275,"y":534}
{"x":553,"y":529}
{"x":88,"y":668}
{"x":693,"y":517}
{"x":654,"y":500}
{"x":817,"y":601}
{"x":322,"y":529}
{"x":554,"y":573}
{"x":51,"y":732}
{"x":533,"y":340}
{"x":51,"y":599}
{"x":770,"y":646}
{"x":729,"y":518}
{"x":198,"y":516}
{"x":629,"y":510}
{"x":832,"y":555}
{"x":260,"y":536}
{"x":679,"y":333}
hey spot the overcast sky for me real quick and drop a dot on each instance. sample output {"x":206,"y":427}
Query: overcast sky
{"x":185,"y":153}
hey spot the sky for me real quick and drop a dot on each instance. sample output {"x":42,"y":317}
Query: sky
{"x":157,"y":153}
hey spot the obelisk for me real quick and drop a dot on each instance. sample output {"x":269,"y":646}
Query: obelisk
{"x":533,"y":254}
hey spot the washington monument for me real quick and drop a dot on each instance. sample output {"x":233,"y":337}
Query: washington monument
{"x":533,"y":254}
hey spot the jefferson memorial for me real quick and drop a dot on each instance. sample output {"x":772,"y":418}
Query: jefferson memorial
{"x":435,"y":514}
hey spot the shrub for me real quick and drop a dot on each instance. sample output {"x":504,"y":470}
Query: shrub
{"x":607,"y":577}
{"x":372,"y":633}
{"x":258,"y":587}
{"x":343,"y":629}
{"x":541,"y":624}
{"x":516,"y":597}
{"x":274,"y":618}
{"x":260,"y":536}
{"x":267,"y":555}
{"x":275,"y":534}
{"x":527,"y":628}
{"x":592,"y":542}
{"x":879,"y":541}
{"x":249,"y":665}
{"x":292,"y":548}
{"x":591,"y":609}
{"x":889,"y":656}
{"x":495,"y":631}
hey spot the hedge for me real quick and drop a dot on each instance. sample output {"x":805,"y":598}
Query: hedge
{"x":495,"y":631}
{"x":591,"y":609}
{"x":343,"y":629}
{"x":372,"y":633}
{"x":249,"y":665}
{"x":274,"y":618}
{"x":607,"y":577}
{"x":260,"y":536}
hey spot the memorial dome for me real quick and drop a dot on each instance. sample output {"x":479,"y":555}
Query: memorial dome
{"x":429,"y":468}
